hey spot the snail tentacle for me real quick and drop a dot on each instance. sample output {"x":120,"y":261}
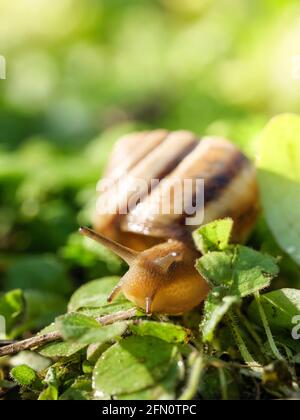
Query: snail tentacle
{"x":149,"y":301}
{"x":127,"y":254}
{"x":115,"y":291}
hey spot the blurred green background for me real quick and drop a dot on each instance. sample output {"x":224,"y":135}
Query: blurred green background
{"x":80,"y":73}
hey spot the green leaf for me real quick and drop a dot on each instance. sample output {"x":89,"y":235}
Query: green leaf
{"x":49,"y":394}
{"x":95,"y":350}
{"x":72,"y":326}
{"x":164,"y":330}
{"x":80,"y":390}
{"x":279,"y":180}
{"x":12,"y":305}
{"x":107,"y":309}
{"x":133,"y":364}
{"x":104,"y":333}
{"x":94,"y":294}
{"x":280,"y":307}
{"x":214,"y":236}
{"x":233,"y":274}
{"x":241,"y":269}
{"x":24,"y":375}
{"x":61,"y":349}
{"x":83,"y":329}
{"x":58,"y":349}
{"x":216,"y":268}
{"x":163,"y":390}
{"x":216,"y":306}
{"x":252,"y":271}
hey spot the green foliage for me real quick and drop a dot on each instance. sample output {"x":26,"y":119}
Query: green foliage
{"x":234,"y":273}
{"x":166,"y":331}
{"x":91,"y":298}
{"x":134,"y":364}
{"x":241,"y":269}
{"x":61,"y":349}
{"x":73,"y":326}
{"x":280,"y":306}
{"x":214,"y":236}
{"x":83,"y":329}
{"x":24,"y":375}
{"x":217,"y":305}
{"x":11,"y":307}
{"x":64,"y":87}
{"x":80,"y":390}
{"x":49,"y":394}
{"x":93,"y":294}
{"x":159,"y":359}
{"x":162,"y":390}
{"x":279,"y":177}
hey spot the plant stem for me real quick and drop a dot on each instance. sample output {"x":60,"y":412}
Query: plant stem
{"x":267,"y":328}
{"x":250,"y":329}
{"x":223,"y":384}
{"x":42,"y":339}
{"x":255,"y":345}
{"x":241,"y":344}
{"x":191,"y":389}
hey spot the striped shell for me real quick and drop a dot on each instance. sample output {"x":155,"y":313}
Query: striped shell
{"x":229,"y":182}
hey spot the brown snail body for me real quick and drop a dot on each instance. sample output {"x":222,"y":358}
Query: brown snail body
{"x":158,"y":246}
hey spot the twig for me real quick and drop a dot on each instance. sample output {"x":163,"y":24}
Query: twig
{"x":42,"y":339}
{"x":117,"y":316}
{"x":218,"y":363}
{"x":29,"y":343}
{"x":6,"y":342}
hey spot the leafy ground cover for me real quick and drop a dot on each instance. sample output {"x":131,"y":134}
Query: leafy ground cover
{"x":243,"y":344}
{"x":76,"y":69}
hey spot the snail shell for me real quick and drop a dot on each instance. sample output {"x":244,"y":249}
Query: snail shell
{"x":158,"y":246}
{"x":229,"y":182}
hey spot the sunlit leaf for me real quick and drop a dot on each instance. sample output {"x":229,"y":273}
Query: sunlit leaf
{"x":241,"y":269}
{"x":24,"y":375}
{"x":216,"y":306}
{"x":214,"y":236}
{"x":93,"y":294}
{"x":166,"y":331}
{"x":133,"y":364}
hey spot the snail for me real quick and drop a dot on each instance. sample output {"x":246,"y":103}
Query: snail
{"x":158,"y":247}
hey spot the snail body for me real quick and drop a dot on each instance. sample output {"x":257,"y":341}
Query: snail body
{"x":158,"y":246}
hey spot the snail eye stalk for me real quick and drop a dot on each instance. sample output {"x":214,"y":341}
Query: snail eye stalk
{"x":115,"y":291}
{"x":127,"y":254}
{"x":148,"y":305}
{"x":167,"y":261}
